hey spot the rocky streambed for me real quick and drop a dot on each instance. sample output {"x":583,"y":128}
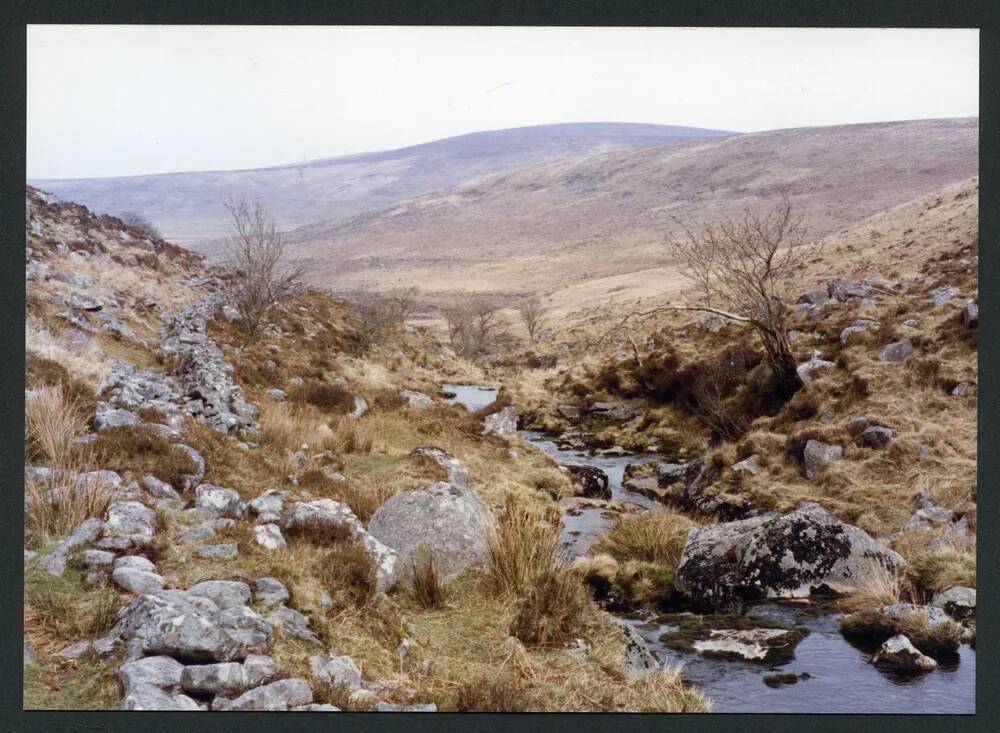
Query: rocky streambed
{"x":817,"y":669}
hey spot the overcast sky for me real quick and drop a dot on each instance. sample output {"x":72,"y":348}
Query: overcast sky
{"x":123,"y":100}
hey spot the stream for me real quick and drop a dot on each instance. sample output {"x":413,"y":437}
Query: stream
{"x":840,"y":677}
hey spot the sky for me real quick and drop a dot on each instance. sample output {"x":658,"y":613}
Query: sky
{"x":128,"y":100}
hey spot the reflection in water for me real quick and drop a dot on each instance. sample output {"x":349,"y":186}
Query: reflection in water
{"x":472,"y":396}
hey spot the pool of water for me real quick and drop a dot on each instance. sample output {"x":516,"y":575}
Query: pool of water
{"x":472,"y":396}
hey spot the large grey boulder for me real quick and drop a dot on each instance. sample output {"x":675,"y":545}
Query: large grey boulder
{"x":638,"y":660}
{"x":440,"y":521}
{"x":136,"y":575}
{"x":271,"y":591}
{"x":899,"y":655}
{"x":816,"y":455}
{"x":325,"y":515}
{"x":223,"y":593}
{"x":775,"y":555}
{"x":159,"y":489}
{"x":502,"y":424}
{"x":617,"y":412}
{"x":88,"y":531}
{"x":153,"y":683}
{"x":218,"y":501}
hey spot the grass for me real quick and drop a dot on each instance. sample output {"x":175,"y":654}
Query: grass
{"x":62,"y":610}
{"x":428,"y":589}
{"x":138,"y":450}
{"x":347,"y":572}
{"x":928,"y":574}
{"x":522,"y":549}
{"x":555,"y":610}
{"x":656,"y":537}
{"x":880,"y":585}
{"x":498,"y":694}
{"x":89,"y":683}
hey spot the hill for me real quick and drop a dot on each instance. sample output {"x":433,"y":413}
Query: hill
{"x":569,"y":221}
{"x":186,"y":206}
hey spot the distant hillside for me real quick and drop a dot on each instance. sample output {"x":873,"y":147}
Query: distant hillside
{"x":186,"y":207}
{"x":550,"y":225}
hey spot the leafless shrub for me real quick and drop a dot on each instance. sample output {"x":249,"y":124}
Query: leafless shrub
{"x":532,"y":313}
{"x":261,"y":275}
{"x":141,"y":224}
{"x":475,"y":327}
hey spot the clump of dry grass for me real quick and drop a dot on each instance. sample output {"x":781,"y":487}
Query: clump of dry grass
{"x":875,"y":626}
{"x":51,"y":420}
{"x":664,"y":691}
{"x":501,"y":694}
{"x":348,"y":573}
{"x":555,"y":610}
{"x":928,"y":574}
{"x":287,"y":428}
{"x":879,"y":585}
{"x":87,"y":363}
{"x":428,"y":588}
{"x":327,"y":397}
{"x":657,"y":537}
{"x":522,"y":548}
{"x":350,"y":435}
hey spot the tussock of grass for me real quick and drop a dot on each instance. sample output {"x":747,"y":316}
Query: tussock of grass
{"x":664,"y":691}
{"x":327,"y":397}
{"x":928,"y":574}
{"x":347,"y":572}
{"x":656,"y":537}
{"x":875,"y":627}
{"x":522,"y":549}
{"x":500,"y":694}
{"x":555,"y":610}
{"x":427,"y":586}
{"x":140,"y":451}
{"x":879,"y":585}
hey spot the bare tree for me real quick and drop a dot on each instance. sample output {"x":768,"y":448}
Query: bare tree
{"x":261,"y":274}
{"x":141,"y":224}
{"x":532,"y":312}
{"x":485,"y":324}
{"x":405,"y":302}
{"x":745,"y":269}
{"x":377,"y":316}
{"x":456,"y":318}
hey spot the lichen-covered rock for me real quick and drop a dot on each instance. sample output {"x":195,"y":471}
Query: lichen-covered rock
{"x":293,"y":624}
{"x":136,"y":575}
{"x":132,"y":521}
{"x":807,"y":370}
{"x":440,"y":521}
{"x":617,"y":412}
{"x":502,"y":423}
{"x":271,"y":591}
{"x":816,"y":455}
{"x":753,"y":645}
{"x":899,"y":655}
{"x":218,"y":501}
{"x":958,"y":602}
{"x":153,"y":683}
{"x":223,"y":593}
{"x":749,"y":465}
{"x":777,"y":556}
{"x":221,"y":678}
{"x":159,"y":489}
{"x":281,"y":695}
{"x":225,"y":551}
{"x":638,"y":660}
{"x":271,"y":501}
{"x":591,"y":481}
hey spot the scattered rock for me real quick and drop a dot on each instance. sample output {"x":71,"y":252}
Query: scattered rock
{"x":159,"y":489}
{"x":458,"y":474}
{"x":896,"y":351}
{"x":223,"y":593}
{"x":271,"y":591}
{"x":448,"y":523}
{"x":958,"y":602}
{"x":269,"y":537}
{"x":899,"y":655}
{"x":753,"y":645}
{"x":281,"y":695}
{"x":875,"y":436}
{"x":54,"y":562}
{"x":217,"y":501}
{"x":943,"y":295}
{"x":638,"y":661}
{"x":503,"y":423}
{"x":221,"y":678}
{"x":416,"y":400}
{"x":816,"y":455}
{"x":592,"y":481}
{"x":217,"y":552}
{"x":617,"y":412}
{"x":807,"y":370}
{"x":749,"y":465}
{"x":132,"y":521}
{"x":278,"y":395}
{"x":970,"y":315}
{"x":293,"y":624}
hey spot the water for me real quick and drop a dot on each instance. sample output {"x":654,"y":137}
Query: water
{"x":472,"y":396}
{"x":841,"y":678}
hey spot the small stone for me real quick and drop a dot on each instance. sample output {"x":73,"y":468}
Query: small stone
{"x":261,"y":669}
{"x":899,"y":654}
{"x":958,"y":602}
{"x":874,"y":437}
{"x":293,"y":624}
{"x":817,"y":454}
{"x":749,"y":465}
{"x":970,"y":315}
{"x":222,"y":678}
{"x":217,"y":552}
{"x":896,"y":351}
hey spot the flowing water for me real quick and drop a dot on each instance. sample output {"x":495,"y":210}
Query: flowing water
{"x":840,"y":679}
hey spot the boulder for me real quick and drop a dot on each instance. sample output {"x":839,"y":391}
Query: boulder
{"x":807,"y":370}
{"x":444,"y":522}
{"x":335,"y":670}
{"x":98,"y":558}
{"x":281,"y":695}
{"x":107,"y":417}
{"x":130,"y":520}
{"x":617,"y":412}
{"x":269,"y":537}
{"x":749,"y":465}
{"x":416,"y":400}
{"x":591,"y":481}
{"x":153,"y":683}
{"x":875,"y":436}
{"x":261,"y":669}
{"x":271,"y":501}
{"x":293,"y":624}
{"x":638,"y":660}
{"x":943,"y":295}
{"x":843,"y":290}
{"x":503,"y":423}
{"x":136,"y":575}
{"x":223,"y":593}
{"x":778,"y":556}
{"x":958,"y":602}
{"x":271,"y":591}
{"x":816,"y":455}
{"x":896,"y":351}
{"x":899,"y":655}
{"x":221,"y":678}
{"x":217,"y":501}
{"x":159,"y":489}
